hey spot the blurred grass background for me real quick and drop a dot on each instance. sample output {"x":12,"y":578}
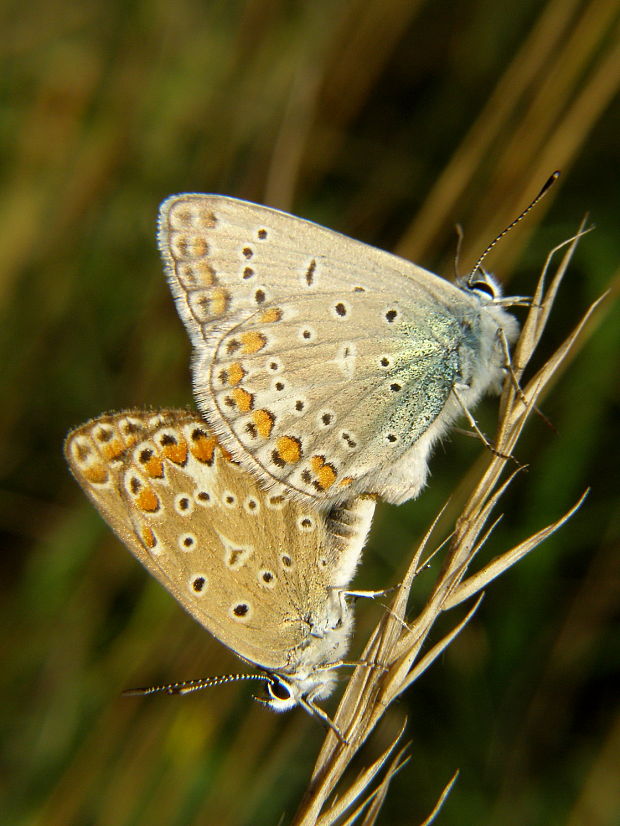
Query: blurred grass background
{"x":389,"y":120}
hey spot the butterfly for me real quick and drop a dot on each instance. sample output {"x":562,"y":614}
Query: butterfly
{"x":327,"y":367}
{"x":264,"y":575}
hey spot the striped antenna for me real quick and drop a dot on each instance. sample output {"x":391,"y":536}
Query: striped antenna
{"x":550,"y":181}
{"x":194,"y":685}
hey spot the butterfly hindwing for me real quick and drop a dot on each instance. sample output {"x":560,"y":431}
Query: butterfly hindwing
{"x":253,"y":568}
{"x":372,"y":400}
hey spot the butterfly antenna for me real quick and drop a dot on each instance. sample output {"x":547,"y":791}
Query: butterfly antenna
{"x":189,"y":686}
{"x":548,"y":184}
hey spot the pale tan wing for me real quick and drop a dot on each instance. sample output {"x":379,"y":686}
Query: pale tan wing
{"x":226,"y":257}
{"x":320,"y":416}
{"x":318,"y":358}
{"x":253,"y":568}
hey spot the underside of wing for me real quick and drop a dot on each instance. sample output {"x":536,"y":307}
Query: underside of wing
{"x":224,"y":256}
{"x":317,"y":359}
{"x":315,"y":398}
{"x":251,"y":567}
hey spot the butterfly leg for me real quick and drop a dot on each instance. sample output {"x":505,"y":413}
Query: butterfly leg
{"x":352,"y":664}
{"x":474,"y":425}
{"x":368,"y":594}
{"x":343,"y":593}
{"x":308,"y":704}
{"x":515,"y":381}
{"x":508,"y":366}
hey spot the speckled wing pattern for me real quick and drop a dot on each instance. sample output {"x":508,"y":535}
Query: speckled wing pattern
{"x":317,"y":358}
{"x":254,"y":569}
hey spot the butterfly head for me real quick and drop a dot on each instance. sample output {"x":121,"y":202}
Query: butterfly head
{"x":487,"y":292}
{"x":483,"y":285}
{"x":285,"y":693}
{"x":281,"y":695}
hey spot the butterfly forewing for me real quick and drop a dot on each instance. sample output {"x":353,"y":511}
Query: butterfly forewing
{"x":254,"y":569}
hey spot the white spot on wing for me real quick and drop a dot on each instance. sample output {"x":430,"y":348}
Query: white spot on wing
{"x":198,"y":584}
{"x":306,"y":523}
{"x":235,"y":554}
{"x":240,"y":610}
{"x":203,"y":497}
{"x":187,"y":542}
{"x":183,"y":504}
{"x":275,"y":502}
{"x":346,"y":356}
{"x":306,"y":334}
{"x":267,"y":578}
{"x":228,"y":499}
{"x":251,"y":505}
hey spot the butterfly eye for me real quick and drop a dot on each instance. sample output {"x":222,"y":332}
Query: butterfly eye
{"x":483,"y":287}
{"x":279,"y":690}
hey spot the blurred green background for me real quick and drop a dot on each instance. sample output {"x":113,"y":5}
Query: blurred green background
{"x":389,"y":120}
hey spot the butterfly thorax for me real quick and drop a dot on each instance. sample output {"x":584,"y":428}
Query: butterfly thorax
{"x":482,"y":352}
{"x":326,"y":643}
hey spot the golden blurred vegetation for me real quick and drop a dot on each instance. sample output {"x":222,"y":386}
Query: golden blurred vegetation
{"x":389,"y":120}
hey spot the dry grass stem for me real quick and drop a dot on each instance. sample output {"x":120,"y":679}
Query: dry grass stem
{"x":376,"y":797}
{"x":440,"y":801}
{"x":397,"y":641}
{"x":343,"y":804}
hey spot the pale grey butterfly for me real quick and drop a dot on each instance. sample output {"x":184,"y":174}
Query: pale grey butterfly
{"x":327,"y":367}
{"x":265,"y":575}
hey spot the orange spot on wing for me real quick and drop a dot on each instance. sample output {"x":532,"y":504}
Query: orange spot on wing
{"x":325,"y":473}
{"x":198,"y":246}
{"x":205,"y":218}
{"x":346,"y":481}
{"x":326,"y":476}
{"x":147,"y":500}
{"x":96,"y":474}
{"x":154,"y":467}
{"x":196,"y":274}
{"x":264,"y":421}
{"x":131,"y":438}
{"x":191,"y":215}
{"x":235,"y":373}
{"x":203,"y":447}
{"x":80,"y":451}
{"x":218,"y":301}
{"x":289,"y":449}
{"x":176,"y":453}
{"x":181,"y":215}
{"x":271,"y":315}
{"x":148,"y":538}
{"x":243,"y":399}
{"x":205,"y":273}
{"x":252,"y":342}
{"x":180,"y":245}
{"x":113,"y":449}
